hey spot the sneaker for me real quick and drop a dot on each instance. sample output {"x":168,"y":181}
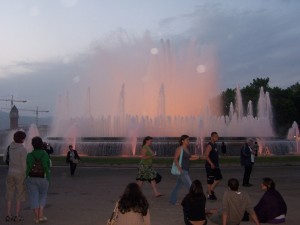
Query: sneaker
{"x":176,"y":203}
{"x":18,"y":218}
{"x":43,"y":219}
{"x":247,"y":185}
{"x":36,"y":220}
{"x":213,"y":194}
{"x":211,"y":197}
{"x":8,"y":218}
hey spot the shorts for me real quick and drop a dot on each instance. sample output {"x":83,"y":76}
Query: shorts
{"x":37,"y":191}
{"x":213,"y":174}
{"x":15,"y":185}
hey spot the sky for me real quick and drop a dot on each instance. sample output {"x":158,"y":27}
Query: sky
{"x":48,"y":47}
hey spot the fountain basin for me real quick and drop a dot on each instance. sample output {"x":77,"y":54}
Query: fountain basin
{"x":164,"y":146}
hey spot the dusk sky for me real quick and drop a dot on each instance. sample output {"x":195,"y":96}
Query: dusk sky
{"x":46,"y":46}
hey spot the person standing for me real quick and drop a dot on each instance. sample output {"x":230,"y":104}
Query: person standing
{"x":16,"y":176}
{"x":213,"y":172}
{"x":184,"y":177}
{"x":72,"y":158}
{"x":49,"y":149}
{"x":271,"y":208}
{"x":38,"y":178}
{"x":145,"y":170}
{"x":255,"y":149}
{"x":194,"y":205}
{"x":223,"y":148}
{"x":247,"y":160}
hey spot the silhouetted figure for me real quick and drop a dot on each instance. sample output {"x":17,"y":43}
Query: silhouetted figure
{"x":223,"y":148}
{"x":72,"y":158}
{"x":247,"y":160}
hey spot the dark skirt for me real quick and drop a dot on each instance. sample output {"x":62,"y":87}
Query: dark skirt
{"x":145,"y":173}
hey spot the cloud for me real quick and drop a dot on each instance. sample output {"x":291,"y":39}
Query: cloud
{"x":69,"y":3}
{"x":256,"y":39}
{"x":34,"y":11}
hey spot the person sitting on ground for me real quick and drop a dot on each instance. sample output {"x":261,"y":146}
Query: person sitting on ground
{"x":271,"y":208}
{"x":194,"y":205}
{"x":133,"y":207}
{"x":235,"y":204}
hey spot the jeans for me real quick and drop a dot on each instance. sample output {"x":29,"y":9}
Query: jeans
{"x":37,"y":191}
{"x":183,"y":179}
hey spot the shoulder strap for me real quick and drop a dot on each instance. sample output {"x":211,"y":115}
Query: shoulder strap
{"x":180,"y":158}
{"x":114,"y":214}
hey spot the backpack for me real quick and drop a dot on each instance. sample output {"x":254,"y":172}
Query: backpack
{"x":7,"y":156}
{"x":37,"y":169}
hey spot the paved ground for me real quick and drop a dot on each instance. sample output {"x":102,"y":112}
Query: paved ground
{"x":89,"y":197}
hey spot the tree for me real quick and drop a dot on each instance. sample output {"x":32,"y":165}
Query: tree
{"x":285,"y":102}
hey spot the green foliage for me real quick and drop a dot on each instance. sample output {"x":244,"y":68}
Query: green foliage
{"x":285,"y":102}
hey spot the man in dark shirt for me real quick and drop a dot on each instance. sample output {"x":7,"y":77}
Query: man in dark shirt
{"x":213,"y":172}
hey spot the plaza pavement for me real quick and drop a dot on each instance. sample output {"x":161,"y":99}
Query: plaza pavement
{"x":88,"y":198}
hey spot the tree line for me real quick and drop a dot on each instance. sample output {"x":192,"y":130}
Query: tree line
{"x":285,"y":102}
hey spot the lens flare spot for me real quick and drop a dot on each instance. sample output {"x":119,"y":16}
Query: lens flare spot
{"x":201,"y":69}
{"x":154,"y":51}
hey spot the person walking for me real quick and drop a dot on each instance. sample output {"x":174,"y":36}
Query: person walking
{"x":145,"y":170}
{"x":16,"y":176}
{"x":247,"y":160}
{"x":38,"y":178}
{"x":184,"y":167}
{"x":193,"y":205}
{"x":212,"y":167}
{"x":73,"y":159}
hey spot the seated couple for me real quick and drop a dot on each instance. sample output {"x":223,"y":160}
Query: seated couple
{"x":236,"y":206}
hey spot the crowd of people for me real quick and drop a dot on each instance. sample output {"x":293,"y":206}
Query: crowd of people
{"x":30,"y":172}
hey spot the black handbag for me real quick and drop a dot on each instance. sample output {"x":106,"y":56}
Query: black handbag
{"x":157,"y":178}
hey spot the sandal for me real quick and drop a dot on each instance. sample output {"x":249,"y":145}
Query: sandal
{"x":8,"y":218}
{"x":18,"y":218}
{"x":159,"y":195}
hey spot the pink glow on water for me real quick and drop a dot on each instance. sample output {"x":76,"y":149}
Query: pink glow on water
{"x":130,"y":92}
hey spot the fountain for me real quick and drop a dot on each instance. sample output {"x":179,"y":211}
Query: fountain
{"x":165,"y":92}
